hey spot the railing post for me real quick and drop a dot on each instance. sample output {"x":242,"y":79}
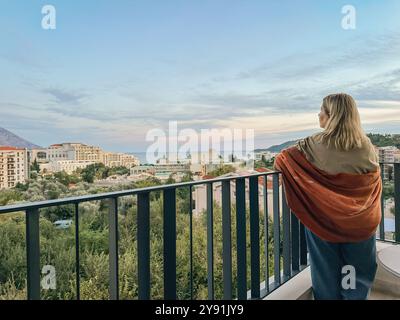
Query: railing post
{"x":295,"y":242}
{"x":210,"y":242}
{"x":277,"y":236}
{"x":143,"y":245}
{"x":286,"y":236}
{"x":382,"y":224}
{"x":241,"y":239}
{"x":226,"y":239}
{"x":33,"y":254}
{"x":254,"y":238}
{"x":303,"y":246}
{"x":191,"y":239}
{"x":113,"y":248}
{"x":169,"y":244}
{"x":397,"y":201}
{"x":266,"y":232}
{"x":77,"y":258}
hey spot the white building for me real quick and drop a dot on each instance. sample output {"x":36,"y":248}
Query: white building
{"x":163,"y":171}
{"x":67,"y":156}
{"x":39,"y":155}
{"x":59,"y":152}
{"x":69,"y":166}
{"x":267,"y":155}
{"x":14,"y":166}
{"x":74,"y":151}
{"x":142,"y":169}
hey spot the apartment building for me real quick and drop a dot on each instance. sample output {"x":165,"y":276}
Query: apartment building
{"x":387,"y":155}
{"x":57,"y":152}
{"x":83,"y":152}
{"x":111,"y":159}
{"x":71,"y":156}
{"x":74,"y":151}
{"x":39,"y":155}
{"x":14,"y":166}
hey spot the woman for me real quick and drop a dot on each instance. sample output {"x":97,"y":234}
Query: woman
{"x":332,"y":184}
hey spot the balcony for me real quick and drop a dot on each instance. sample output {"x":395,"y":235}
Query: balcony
{"x":250,"y":265}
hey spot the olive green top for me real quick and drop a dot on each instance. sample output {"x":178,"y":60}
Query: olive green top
{"x":333,"y":161}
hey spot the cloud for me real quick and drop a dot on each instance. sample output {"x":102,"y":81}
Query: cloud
{"x":298,"y":83}
{"x":354,"y":53}
{"x":65,"y":97}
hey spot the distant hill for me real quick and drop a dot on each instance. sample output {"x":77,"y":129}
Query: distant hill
{"x":7,"y":138}
{"x":278,"y":147}
{"x":377,"y":139}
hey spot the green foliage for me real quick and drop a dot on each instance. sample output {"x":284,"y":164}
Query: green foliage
{"x":222,"y":170}
{"x":388,"y":190}
{"x":385,"y":140}
{"x":58,"y":249}
{"x":66,"y":179}
{"x":263,"y":163}
{"x":35,"y":166}
{"x":9,"y":196}
{"x":100,"y":171}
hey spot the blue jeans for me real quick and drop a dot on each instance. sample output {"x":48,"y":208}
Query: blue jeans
{"x":327,"y":260}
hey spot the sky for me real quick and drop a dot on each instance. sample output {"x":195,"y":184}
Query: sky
{"x":113,"y":70}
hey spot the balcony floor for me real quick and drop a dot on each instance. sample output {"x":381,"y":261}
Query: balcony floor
{"x":379,"y":295}
{"x":386,"y":285}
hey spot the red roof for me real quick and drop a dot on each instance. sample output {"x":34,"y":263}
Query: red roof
{"x":263,"y":170}
{"x":261,"y":180}
{"x":206,"y":177}
{"x":8,"y":148}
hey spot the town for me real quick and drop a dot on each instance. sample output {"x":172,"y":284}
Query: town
{"x":72,"y":162}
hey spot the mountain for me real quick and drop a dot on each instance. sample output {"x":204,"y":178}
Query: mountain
{"x":278,"y":147}
{"x":8,"y":138}
{"x":379,"y":140}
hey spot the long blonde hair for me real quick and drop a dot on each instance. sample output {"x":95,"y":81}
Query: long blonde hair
{"x":343,"y":129}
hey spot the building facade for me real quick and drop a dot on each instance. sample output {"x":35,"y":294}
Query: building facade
{"x":69,"y":166}
{"x":111,"y":159}
{"x":38,"y":155}
{"x":14,"y":166}
{"x":387,"y":155}
{"x":71,"y":156}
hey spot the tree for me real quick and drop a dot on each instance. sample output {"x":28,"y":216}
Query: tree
{"x":35,"y":166}
{"x":222,"y":170}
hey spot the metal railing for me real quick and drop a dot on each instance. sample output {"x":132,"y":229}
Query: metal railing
{"x":396,"y":190}
{"x":289,"y":250}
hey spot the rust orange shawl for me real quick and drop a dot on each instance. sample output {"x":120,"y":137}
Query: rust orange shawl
{"x":342,"y":207}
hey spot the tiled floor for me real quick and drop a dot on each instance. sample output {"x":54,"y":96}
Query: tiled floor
{"x":378,"y":295}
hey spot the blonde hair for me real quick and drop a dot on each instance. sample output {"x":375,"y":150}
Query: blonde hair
{"x":343,"y":128}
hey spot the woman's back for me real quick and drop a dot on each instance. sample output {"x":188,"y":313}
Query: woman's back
{"x":331,"y":160}
{"x":332,"y":184}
